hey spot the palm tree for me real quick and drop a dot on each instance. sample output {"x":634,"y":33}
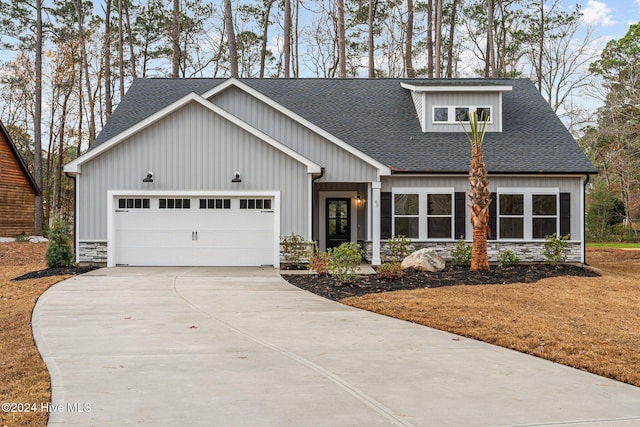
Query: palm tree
{"x":479,"y":195}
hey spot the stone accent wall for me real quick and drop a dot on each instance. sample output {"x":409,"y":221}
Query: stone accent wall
{"x":526,"y":251}
{"x":92,"y":252}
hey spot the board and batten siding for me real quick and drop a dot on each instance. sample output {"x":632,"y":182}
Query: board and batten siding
{"x":457,"y":99}
{"x":192,"y":149}
{"x":340,"y":165}
{"x":17,"y":198}
{"x":569,"y":184}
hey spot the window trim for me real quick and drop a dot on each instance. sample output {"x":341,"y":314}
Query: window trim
{"x":423,"y":216}
{"x":451,"y":115}
{"x":528,"y":193}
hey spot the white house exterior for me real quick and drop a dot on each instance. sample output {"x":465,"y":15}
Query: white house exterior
{"x":214,"y":171}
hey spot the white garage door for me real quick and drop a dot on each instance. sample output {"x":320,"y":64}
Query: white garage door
{"x":194,"y":231}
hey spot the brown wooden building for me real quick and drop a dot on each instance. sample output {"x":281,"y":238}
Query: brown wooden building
{"x":18,"y":190}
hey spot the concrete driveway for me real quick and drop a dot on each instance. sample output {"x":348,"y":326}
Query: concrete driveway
{"x":241,"y":347}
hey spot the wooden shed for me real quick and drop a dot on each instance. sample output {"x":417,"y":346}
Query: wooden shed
{"x":18,"y":190}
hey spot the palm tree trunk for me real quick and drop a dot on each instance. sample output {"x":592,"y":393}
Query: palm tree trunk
{"x":480,"y":198}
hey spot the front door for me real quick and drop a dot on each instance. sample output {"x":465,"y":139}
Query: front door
{"x":338,"y":219}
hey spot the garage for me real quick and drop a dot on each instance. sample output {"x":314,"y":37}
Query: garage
{"x":188,"y":230}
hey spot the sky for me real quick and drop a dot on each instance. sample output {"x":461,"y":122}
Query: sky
{"x":610,"y":19}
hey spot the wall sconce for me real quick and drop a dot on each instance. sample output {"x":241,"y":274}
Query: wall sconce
{"x":237,"y":177}
{"x":358,"y":198}
{"x":149,"y":177}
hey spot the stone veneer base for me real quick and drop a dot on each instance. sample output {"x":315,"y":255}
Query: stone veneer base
{"x":92,"y":252}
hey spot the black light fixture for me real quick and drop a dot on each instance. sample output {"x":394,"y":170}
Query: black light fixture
{"x":237,"y":177}
{"x":149,"y":177}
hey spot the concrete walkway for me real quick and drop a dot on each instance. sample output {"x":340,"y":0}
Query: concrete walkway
{"x":241,"y":347}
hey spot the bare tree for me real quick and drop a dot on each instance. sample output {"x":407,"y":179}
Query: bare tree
{"x":175,"y":39}
{"x":37,"y":119}
{"x":287,"y":38}
{"x":231,"y":39}
{"x":107,"y":60}
{"x":342,"y":49}
{"x":408,"y":51}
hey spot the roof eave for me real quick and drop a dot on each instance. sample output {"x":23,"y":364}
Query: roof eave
{"x":18,"y":157}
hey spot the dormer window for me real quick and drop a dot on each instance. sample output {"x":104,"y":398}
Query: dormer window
{"x":459,"y":114}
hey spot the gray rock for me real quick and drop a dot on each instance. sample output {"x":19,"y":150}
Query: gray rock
{"x":424,"y":260}
{"x":38,"y":239}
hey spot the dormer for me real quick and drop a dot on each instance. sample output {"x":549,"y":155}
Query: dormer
{"x":442,"y":105}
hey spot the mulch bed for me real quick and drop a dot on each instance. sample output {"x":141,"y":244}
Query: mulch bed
{"x":59,"y":271}
{"x":328,"y":287}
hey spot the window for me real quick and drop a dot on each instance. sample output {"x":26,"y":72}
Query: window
{"x":215,"y":203}
{"x":175,"y":203}
{"x":406,"y":215}
{"x":423,"y":213}
{"x":457,"y":114}
{"x":527,"y":214}
{"x":133,"y":203}
{"x":255,"y":204}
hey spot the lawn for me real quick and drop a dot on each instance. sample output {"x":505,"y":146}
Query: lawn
{"x":614,"y":245}
{"x":588,"y":323}
{"x":592,"y":323}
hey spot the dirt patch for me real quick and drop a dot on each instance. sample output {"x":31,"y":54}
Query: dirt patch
{"x":369,"y":284}
{"x":22,"y":253}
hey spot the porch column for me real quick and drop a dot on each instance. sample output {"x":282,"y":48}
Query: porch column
{"x":375,"y":204}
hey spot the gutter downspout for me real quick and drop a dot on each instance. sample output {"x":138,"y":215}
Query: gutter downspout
{"x":313,"y":181}
{"x":584,"y":219}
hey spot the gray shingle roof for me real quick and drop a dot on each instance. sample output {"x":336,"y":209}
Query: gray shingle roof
{"x":377,"y":117}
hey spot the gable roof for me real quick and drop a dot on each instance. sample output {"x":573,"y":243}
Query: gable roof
{"x":16,"y":154}
{"x":74,"y":166}
{"x":377,"y":117}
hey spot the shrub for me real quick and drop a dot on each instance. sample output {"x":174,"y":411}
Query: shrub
{"x":390,"y":271}
{"x":295,"y":249}
{"x":344,"y":262}
{"x":59,"y":252}
{"x":399,"y":248}
{"x":22,"y":237}
{"x":604,"y":211}
{"x":507,"y":258}
{"x":554,"y":248}
{"x":318,"y":261}
{"x":461,"y":254}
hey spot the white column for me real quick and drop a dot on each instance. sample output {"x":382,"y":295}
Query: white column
{"x":375,"y":222}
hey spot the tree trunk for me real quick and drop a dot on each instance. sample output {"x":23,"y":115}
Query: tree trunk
{"x":175,"y":40}
{"x":265,"y":34}
{"x":489,"y":68}
{"x":107,"y":60}
{"x":480,"y":198}
{"x":231,"y":39}
{"x":85,"y":68}
{"x":408,"y":51}
{"x":371,"y":71}
{"x":342,"y":47}
{"x":541,"y":47}
{"x":296,"y":49}
{"x":287,"y":38}
{"x":452,"y":31}
{"x":430,"y":38}
{"x":438,"y":40}
{"x":120,"y":49}
{"x":37,"y":125}
{"x":132,"y":59}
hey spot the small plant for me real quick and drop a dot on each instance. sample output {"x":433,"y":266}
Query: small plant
{"x":555,"y":248}
{"x":318,"y":261}
{"x":22,"y":237}
{"x":390,"y":271}
{"x":461,"y":254}
{"x":59,"y":252}
{"x":295,"y":249}
{"x":344,"y":262}
{"x":507,"y":258}
{"x":399,"y":248}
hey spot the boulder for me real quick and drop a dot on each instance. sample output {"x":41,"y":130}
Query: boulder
{"x":424,"y":260}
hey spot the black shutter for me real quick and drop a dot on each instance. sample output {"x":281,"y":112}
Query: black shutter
{"x":386,"y":215}
{"x":460,"y":207}
{"x":565,"y":214}
{"x":493,"y":217}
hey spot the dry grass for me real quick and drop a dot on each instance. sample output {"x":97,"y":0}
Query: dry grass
{"x":23,"y":376}
{"x":588,"y":323}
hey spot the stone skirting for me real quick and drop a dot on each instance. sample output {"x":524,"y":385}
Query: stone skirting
{"x":526,"y":251}
{"x":92,"y":252}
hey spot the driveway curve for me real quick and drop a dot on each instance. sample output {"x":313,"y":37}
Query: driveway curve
{"x":241,"y":347}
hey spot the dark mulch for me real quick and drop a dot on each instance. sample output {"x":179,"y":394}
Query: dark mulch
{"x":369,"y":284}
{"x":58,"y":271}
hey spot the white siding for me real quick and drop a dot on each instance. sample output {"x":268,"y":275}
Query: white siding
{"x":340,"y":165}
{"x":192,"y":149}
{"x":457,"y":99}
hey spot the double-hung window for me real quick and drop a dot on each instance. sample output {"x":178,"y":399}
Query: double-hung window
{"x":527,"y":214}
{"x":424,"y":213}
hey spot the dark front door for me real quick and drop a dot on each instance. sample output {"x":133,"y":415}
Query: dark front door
{"x":338,"y":222}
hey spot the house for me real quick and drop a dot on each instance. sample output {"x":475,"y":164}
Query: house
{"x":214,"y":171}
{"x":18,"y":190}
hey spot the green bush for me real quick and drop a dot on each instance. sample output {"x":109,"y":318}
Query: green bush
{"x":399,"y":248}
{"x":555,"y":248}
{"x":461,"y":254}
{"x":604,"y":212}
{"x":22,"y":237}
{"x":507,"y":258}
{"x":390,"y":271}
{"x":59,"y":252}
{"x":295,"y":250}
{"x":344,"y":262}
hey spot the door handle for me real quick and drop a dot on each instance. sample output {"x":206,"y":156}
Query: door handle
{"x":193,"y":234}
{"x":196,"y":235}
